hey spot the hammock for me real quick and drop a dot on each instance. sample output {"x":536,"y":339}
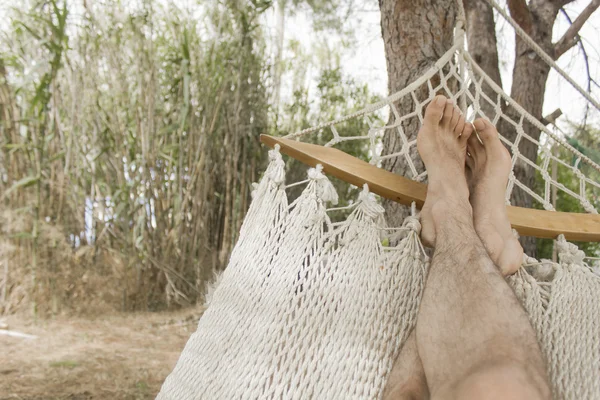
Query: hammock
{"x":313,"y":308}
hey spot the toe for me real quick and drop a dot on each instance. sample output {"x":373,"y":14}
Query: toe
{"x":473,"y":143}
{"x":486,"y":131}
{"x":491,"y":140}
{"x":456,"y":117}
{"x":511,"y":258}
{"x":448,"y":114}
{"x":435,"y":109}
{"x":467,"y":131}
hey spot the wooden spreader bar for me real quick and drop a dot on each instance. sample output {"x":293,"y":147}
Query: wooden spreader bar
{"x":527,"y":221}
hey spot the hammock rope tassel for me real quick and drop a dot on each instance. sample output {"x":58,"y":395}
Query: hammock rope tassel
{"x":310,"y":308}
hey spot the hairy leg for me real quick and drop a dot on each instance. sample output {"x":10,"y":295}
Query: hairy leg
{"x":473,"y":337}
{"x":407,"y":378}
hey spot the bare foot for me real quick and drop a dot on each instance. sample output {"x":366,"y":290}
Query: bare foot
{"x":407,"y":379}
{"x":442,"y":144}
{"x":488,"y":167}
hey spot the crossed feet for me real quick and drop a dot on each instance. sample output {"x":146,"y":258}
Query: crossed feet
{"x":468,"y":171}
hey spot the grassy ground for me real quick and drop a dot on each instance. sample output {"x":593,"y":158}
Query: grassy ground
{"x":118,"y":357}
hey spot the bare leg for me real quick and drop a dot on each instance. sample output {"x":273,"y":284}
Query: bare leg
{"x":488,"y":167}
{"x":407,"y":379}
{"x":473,"y":337}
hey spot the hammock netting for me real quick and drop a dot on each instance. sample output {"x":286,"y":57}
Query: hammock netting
{"x":311,"y":308}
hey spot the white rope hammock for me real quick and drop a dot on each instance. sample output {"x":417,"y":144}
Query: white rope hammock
{"x":308,"y":308}
{"x":446,"y":72}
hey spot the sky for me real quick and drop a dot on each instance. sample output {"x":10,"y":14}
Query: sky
{"x":366,"y":62}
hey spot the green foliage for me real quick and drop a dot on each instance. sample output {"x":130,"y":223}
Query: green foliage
{"x":328,"y":15}
{"x":139,"y":141}
{"x":130,"y":140}
{"x":22,"y":183}
{"x":586,"y":140}
{"x":336,"y":96}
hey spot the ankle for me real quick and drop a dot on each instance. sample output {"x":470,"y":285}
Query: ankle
{"x":452,"y":210}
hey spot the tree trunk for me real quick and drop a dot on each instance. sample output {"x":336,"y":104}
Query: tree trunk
{"x":528,"y":87}
{"x":416,"y":33}
{"x":481,"y":37}
{"x":529,"y":82}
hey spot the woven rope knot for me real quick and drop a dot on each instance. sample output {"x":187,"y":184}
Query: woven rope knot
{"x":274,"y":154}
{"x":543,"y":270}
{"x":368,"y":203}
{"x":568,"y":252}
{"x":412,"y":223}
{"x":324,"y":188}
{"x":316,"y":172}
{"x":548,"y":207}
{"x":421,"y":178}
{"x":276,"y":169}
{"x":587,"y":206}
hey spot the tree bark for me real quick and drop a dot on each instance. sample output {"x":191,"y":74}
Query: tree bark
{"x":483,"y":45}
{"x":415,"y":34}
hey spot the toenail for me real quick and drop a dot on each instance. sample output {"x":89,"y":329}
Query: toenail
{"x":478,"y":138}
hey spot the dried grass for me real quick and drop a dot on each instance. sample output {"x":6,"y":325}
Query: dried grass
{"x":132,"y":180}
{"x":76,"y":281}
{"x":114,"y":357}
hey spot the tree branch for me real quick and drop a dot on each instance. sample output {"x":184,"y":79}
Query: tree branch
{"x":561,"y":3}
{"x":586,"y":60}
{"x":521,"y":14}
{"x":571,"y":36}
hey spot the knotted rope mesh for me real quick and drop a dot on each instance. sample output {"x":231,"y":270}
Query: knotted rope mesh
{"x":311,"y":308}
{"x":307,"y":308}
{"x":459,"y":78}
